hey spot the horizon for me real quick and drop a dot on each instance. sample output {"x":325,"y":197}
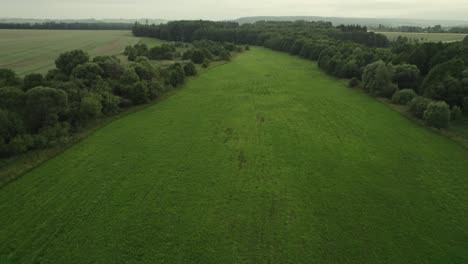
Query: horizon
{"x":226,"y":10}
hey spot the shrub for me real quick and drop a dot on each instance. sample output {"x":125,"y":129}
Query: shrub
{"x":198,"y":57}
{"x":354,"y":82}
{"x":456,"y":113}
{"x":206,"y":64}
{"x":404,"y":96}
{"x":190,"y":69}
{"x":437,"y":114}
{"x":418,"y":105}
{"x":225,"y":55}
{"x":247,"y":47}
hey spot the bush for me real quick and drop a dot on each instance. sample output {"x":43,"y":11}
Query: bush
{"x":354,"y":82}
{"x":437,"y":114}
{"x":404,"y":96}
{"x":225,"y":55}
{"x":247,"y":47}
{"x":198,"y":57}
{"x":190,"y":69}
{"x":206,"y":64}
{"x":456,"y":113}
{"x":418,"y":105}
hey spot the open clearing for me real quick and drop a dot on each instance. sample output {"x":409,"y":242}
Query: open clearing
{"x":426,"y":37}
{"x":262,"y":160}
{"x":27,"y":51}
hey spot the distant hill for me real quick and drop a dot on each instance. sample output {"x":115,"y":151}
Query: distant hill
{"x":129,"y":21}
{"x":370,"y":22}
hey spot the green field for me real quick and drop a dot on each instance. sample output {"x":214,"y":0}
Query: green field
{"x":27,"y":51}
{"x":262,"y":160}
{"x":427,"y":37}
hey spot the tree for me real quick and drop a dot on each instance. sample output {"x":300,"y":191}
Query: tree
{"x":12,"y":99}
{"x":456,"y":113}
{"x":139,"y":93}
{"x":144,"y":69}
{"x":418,"y":105}
{"x":465,"y":41}
{"x":403,"y":97}
{"x":8,"y":78}
{"x":129,"y":76}
{"x":437,"y":114}
{"x":110,"y":65}
{"x":190,"y":69}
{"x":67,"y":61}
{"x":225,"y":55}
{"x":465,"y":105}
{"x":407,"y":76}
{"x":377,"y":79}
{"x":43,"y":106}
{"x":90,"y":107}
{"x":88,"y":72}
{"x":33,"y":80}
{"x":197,"y":57}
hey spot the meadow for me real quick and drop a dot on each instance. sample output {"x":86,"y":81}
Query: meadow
{"x":28,"y":51}
{"x":426,"y":37}
{"x":262,"y":160}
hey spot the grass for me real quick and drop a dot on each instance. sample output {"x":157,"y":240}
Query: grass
{"x":27,"y":51}
{"x":262,"y":160}
{"x":427,"y":37}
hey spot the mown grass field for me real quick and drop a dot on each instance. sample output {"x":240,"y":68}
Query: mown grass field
{"x":427,"y":37}
{"x":27,"y":51}
{"x":262,"y":160}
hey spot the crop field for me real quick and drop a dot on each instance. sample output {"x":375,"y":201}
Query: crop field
{"x":262,"y":160}
{"x":427,"y":37}
{"x":27,"y":51}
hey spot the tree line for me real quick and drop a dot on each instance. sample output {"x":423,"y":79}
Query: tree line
{"x":39,"y":111}
{"x":416,"y":29}
{"x":435,"y":73}
{"x":68,"y":26}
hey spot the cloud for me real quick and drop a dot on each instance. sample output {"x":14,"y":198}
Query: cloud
{"x":228,"y":9}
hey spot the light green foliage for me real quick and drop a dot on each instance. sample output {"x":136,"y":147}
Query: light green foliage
{"x":261,"y":160}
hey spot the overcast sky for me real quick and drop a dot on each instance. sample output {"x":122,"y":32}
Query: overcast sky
{"x":229,"y":9}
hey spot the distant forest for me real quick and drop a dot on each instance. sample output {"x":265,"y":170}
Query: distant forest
{"x":68,"y":26}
